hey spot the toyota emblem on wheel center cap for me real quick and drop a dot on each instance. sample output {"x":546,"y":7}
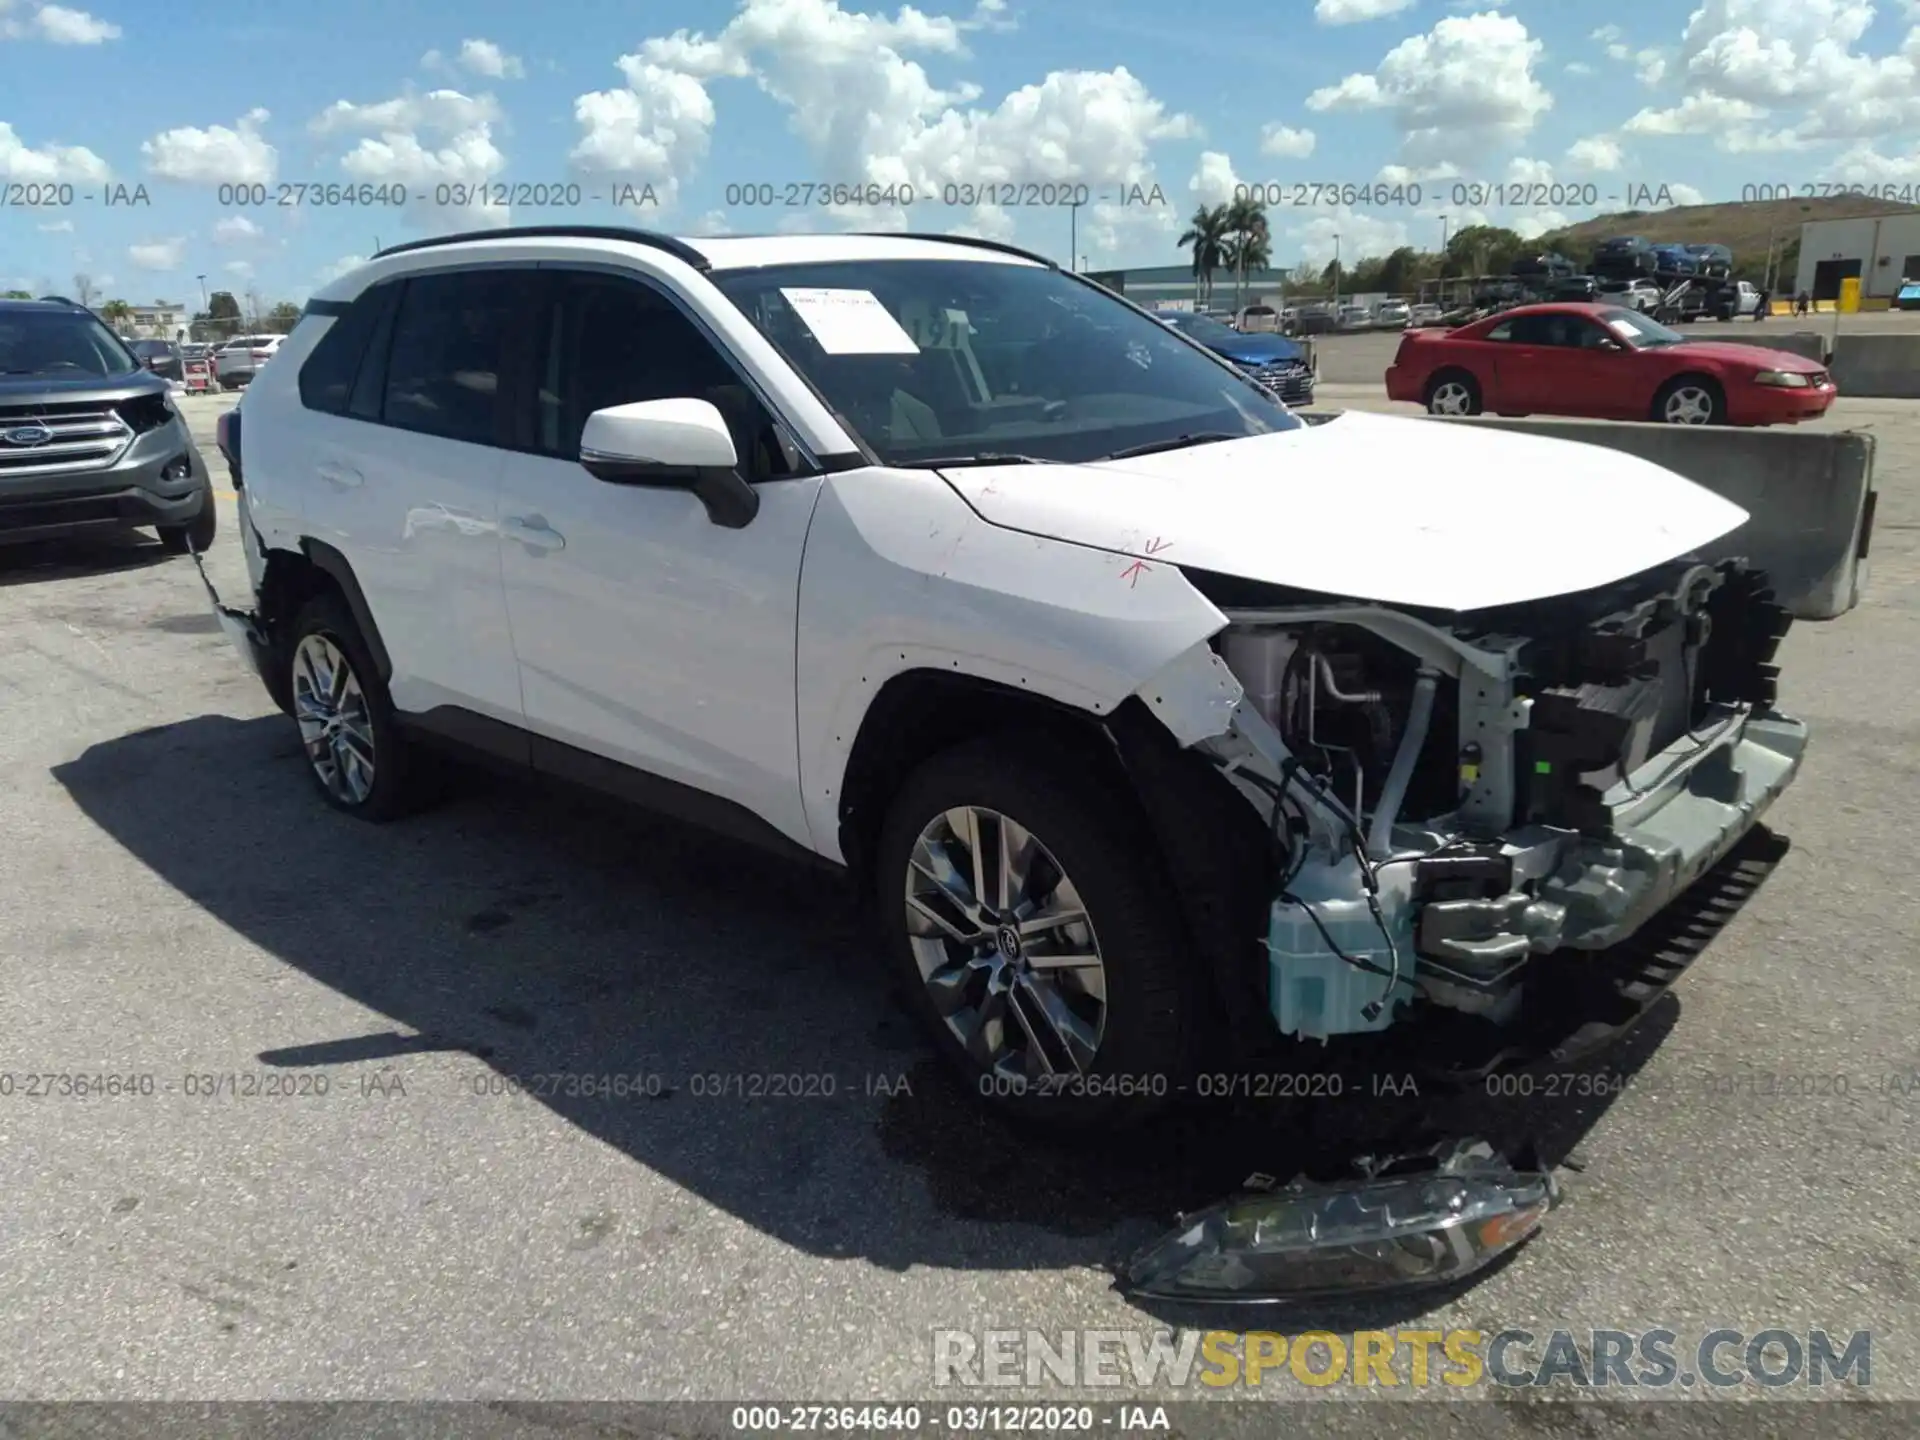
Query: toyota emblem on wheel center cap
{"x":28,"y":435}
{"x":1008,"y":939}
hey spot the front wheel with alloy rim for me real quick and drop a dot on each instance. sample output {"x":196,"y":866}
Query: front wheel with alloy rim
{"x":1690,"y":400}
{"x":1453,"y":392}
{"x":1035,"y":935}
{"x":353,"y":748}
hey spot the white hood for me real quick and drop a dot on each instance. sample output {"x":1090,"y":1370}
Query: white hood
{"x":1401,"y":511}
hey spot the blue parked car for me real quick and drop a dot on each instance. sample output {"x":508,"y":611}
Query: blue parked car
{"x":1674,"y":260}
{"x":1275,"y":361}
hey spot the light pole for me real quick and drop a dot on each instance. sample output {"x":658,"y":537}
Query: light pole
{"x":203,"y":293}
{"x":1073,"y":231}
{"x":1443,"y":236}
{"x":1336,"y":275}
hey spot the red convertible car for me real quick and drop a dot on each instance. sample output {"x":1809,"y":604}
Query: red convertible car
{"x":1606,"y":362}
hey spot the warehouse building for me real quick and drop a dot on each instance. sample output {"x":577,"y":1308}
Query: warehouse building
{"x":1879,"y":252}
{"x":1176,"y":285}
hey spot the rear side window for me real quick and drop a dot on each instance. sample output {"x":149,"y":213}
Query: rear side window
{"x":449,"y":344}
{"x":327,"y":376}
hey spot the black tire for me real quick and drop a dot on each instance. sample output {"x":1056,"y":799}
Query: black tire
{"x":1473,"y":400}
{"x":398,"y":772}
{"x":1714,"y":397}
{"x":197,"y":534}
{"x":1154,"y":1011}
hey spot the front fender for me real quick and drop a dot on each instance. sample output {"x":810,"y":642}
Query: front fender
{"x":901,"y":574}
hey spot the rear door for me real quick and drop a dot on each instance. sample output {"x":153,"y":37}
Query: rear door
{"x":405,"y":465}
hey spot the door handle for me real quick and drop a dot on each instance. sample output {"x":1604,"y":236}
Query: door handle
{"x":345,"y":476}
{"x":533,"y":532}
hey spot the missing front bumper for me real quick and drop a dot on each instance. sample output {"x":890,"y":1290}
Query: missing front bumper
{"x":1674,"y":819}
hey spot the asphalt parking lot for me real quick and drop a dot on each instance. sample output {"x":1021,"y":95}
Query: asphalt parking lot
{"x":178,"y":905}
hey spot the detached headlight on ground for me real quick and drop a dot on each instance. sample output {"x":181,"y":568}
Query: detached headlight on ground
{"x":1380,"y":1232}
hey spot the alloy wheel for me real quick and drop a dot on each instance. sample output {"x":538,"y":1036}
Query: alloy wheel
{"x":336,"y":726}
{"x":1450,"y":397}
{"x":1689,"y":405}
{"x":1005,"y":946}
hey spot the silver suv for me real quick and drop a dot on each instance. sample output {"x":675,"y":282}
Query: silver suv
{"x":89,"y":438}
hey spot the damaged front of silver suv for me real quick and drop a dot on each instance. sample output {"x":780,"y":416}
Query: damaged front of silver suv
{"x":1462,"y":797}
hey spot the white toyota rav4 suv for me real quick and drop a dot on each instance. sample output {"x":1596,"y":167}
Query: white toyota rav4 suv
{"x":1157,"y":722}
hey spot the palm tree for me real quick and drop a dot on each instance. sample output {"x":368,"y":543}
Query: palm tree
{"x":116,"y":313}
{"x":1206,"y":235}
{"x":1249,"y":246}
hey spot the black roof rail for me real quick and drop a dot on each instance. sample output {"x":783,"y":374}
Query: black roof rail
{"x":975,"y":241}
{"x":679,"y":249}
{"x":57,"y":300}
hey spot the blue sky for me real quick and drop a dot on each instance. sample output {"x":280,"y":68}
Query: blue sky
{"x":678,"y":100}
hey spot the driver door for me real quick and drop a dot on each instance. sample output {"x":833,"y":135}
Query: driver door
{"x":646,"y":633}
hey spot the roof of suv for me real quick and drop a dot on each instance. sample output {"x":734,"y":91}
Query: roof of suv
{"x":712,"y":253}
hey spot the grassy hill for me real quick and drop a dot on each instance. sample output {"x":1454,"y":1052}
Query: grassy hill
{"x":1743,"y":228}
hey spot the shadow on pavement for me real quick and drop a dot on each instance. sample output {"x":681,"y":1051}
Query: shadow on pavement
{"x":546,"y":936}
{"x":36,"y":562}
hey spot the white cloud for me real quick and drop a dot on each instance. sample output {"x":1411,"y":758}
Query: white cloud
{"x":53,"y":162}
{"x":1536,"y":223}
{"x":457,"y":151}
{"x":1524,"y":171}
{"x":441,"y":110}
{"x":714,"y":222}
{"x":483,"y":57}
{"x":56,"y":24}
{"x":1685,"y":194}
{"x":1465,"y":87}
{"x":239,"y":269}
{"x":1360,"y":236}
{"x":653,"y":132}
{"x":1799,"y":55}
{"x":57,"y":227}
{"x":1285,"y":141}
{"x":1595,"y":153}
{"x":217,"y":155}
{"x":236,"y":230}
{"x":1608,"y":35}
{"x":159,"y":254}
{"x":1214,"y":182}
{"x":1579,"y":67}
{"x":1694,"y":115}
{"x":1650,"y":65}
{"x":1865,"y":165}
{"x":1351,"y":12}
{"x":865,"y":110}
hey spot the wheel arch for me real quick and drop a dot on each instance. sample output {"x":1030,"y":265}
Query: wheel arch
{"x":1203,"y":835}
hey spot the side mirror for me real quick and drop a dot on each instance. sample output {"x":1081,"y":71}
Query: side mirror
{"x":1610,"y":344}
{"x":675,"y":444}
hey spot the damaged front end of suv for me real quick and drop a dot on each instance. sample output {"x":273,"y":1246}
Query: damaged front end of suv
{"x":1457,"y":799}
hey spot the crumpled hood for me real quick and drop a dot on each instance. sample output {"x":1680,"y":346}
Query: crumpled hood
{"x":1402,"y":511}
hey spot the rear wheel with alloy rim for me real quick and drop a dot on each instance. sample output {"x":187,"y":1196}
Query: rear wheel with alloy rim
{"x":1453,"y":392}
{"x":1036,"y":936}
{"x":354,"y":751}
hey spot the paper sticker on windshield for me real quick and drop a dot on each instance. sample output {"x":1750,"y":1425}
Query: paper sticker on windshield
{"x":850,"y":322}
{"x":1625,"y":329}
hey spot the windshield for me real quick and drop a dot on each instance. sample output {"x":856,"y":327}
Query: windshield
{"x":60,"y":342}
{"x":1638,"y":331}
{"x":945,"y":360}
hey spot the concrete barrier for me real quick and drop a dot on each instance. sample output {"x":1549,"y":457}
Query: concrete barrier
{"x":1810,"y":344}
{"x":1807,"y":493}
{"x":1878,"y":367}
